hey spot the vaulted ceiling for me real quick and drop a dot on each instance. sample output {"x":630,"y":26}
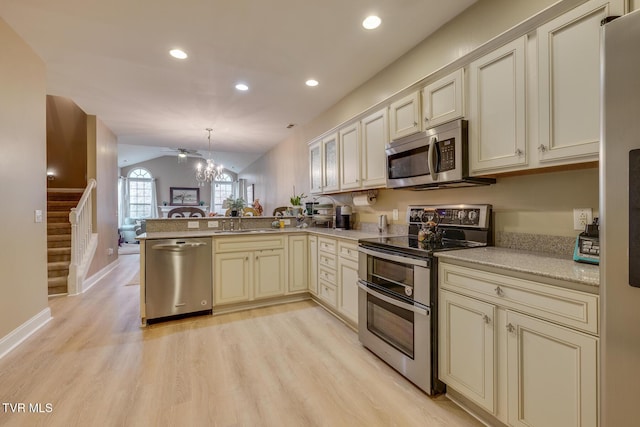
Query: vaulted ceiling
{"x":112,"y":59}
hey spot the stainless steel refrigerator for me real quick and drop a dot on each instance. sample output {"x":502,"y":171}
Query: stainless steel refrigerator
{"x":620,"y":223}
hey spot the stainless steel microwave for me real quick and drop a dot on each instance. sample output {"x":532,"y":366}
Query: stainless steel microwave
{"x":435,"y":158}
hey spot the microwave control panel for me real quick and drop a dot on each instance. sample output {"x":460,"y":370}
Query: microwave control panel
{"x":447,"y":149}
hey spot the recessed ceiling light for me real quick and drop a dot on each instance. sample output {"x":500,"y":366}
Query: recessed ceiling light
{"x":242,"y":86}
{"x":177,"y":53}
{"x":311,"y":82}
{"x":371,"y":22}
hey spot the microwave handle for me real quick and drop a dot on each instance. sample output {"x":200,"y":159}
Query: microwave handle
{"x":431,"y":158}
{"x":418,"y":310}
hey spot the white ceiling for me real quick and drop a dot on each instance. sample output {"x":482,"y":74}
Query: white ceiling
{"x":111,"y":58}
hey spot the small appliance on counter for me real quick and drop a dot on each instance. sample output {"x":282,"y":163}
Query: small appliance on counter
{"x":343,"y":217}
{"x":588,"y":244}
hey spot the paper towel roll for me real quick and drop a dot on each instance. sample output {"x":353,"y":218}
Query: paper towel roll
{"x":363,"y":200}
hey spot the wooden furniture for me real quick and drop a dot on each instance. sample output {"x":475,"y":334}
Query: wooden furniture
{"x":248,"y":211}
{"x":523,"y":350}
{"x":186,"y":212}
{"x":163,"y":210}
{"x":279,"y":210}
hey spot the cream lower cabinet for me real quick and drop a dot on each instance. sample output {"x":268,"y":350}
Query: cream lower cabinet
{"x":348,"y":280}
{"x":313,"y":265}
{"x":242,"y":275}
{"x":232,"y":277}
{"x":298,"y":263}
{"x":338,"y":277}
{"x":467,"y":348}
{"x":551,"y":374}
{"x":522,"y":350}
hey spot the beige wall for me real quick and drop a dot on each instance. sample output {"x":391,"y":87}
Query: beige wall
{"x":23,"y":285}
{"x":66,"y":143}
{"x":538,"y":203}
{"x":169,"y":173}
{"x":102,"y":164}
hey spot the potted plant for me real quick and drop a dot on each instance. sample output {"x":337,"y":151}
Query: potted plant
{"x":296,"y":202}
{"x":236,"y":205}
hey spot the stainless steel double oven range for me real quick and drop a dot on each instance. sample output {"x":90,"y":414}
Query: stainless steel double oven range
{"x":397,"y":295}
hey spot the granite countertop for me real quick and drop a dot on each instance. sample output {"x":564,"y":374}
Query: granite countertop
{"x":330,"y":232}
{"x":540,"y":264}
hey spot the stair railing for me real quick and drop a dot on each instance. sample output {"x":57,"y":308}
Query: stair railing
{"x":81,"y":219}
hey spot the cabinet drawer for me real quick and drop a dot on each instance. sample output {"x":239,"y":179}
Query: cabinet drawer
{"x":239,"y":243}
{"x":327,"y":260}
{"x":327,"y":245}
{"x":348,"y":251}
{"x":328,"y":275}
{"x":568,"y":307}
{"x":328,"y":293}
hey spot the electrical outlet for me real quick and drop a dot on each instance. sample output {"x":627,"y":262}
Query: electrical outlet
{"x":287,"y":222}
{"x":193,"y":224}
{"x":395,"y":214}
{"x":212,"y":224}
{"x":582,"y":217}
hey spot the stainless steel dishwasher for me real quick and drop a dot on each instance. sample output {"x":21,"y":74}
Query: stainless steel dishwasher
{"x":178,"y":277}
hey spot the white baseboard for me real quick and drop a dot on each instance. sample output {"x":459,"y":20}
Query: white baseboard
{"x":24,"y":331}
{"x":95,"y":278}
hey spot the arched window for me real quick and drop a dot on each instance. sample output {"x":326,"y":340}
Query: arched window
{"x":140,"y":195}
{"x":222,"y":188}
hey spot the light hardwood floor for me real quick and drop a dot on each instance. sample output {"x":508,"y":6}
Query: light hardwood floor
{"x":288,"y":365}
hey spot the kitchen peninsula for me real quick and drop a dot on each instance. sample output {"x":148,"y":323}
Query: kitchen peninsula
{"x":254,"y":264}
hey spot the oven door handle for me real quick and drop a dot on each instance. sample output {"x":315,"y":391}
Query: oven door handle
{"x":418,"y":310}
{"x":392,"y":257}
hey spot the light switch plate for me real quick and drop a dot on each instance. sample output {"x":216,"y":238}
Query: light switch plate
{"x":395,"y":214}
{"x":37,"y":216}
{"x":287,"y":222}
{"x":212,"y":224}
{"x":193,"y":224}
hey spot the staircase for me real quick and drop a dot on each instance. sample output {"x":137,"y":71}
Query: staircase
{"x":59,"y":204}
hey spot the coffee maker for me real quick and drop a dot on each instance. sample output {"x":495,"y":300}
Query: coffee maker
{"x":343,"y":217}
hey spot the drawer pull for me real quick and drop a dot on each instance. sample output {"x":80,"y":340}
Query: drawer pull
{"x":499,"y":291}
{"x":485,"y":318}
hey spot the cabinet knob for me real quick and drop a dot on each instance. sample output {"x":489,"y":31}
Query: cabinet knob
{"x":499,"y":291}
{"x":415,"y":123}
{"x":510,"y":327}
{"x":542,"y":148}
{"x":519,"y":152}
{"x":485,"y":318}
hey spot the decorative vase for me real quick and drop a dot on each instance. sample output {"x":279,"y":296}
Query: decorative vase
{"x":296,"y":210}
{"x":234,"y":212}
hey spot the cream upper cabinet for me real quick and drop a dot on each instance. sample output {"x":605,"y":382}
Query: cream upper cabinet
{"x":404,"y":116}
{"x":569,"y":83}
{"x":497,"y":113}
{"x":315,"y":167}
{"x":350,"y":157}
{"x":375,"y":136}
{"x":467,"y":357}
{"x":298,"y":263}
{"x":330,"y":163}
{"x":443,"y":100}
{"x":552,"y":374}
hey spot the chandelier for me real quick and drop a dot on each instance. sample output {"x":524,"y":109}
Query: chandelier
{"x":210,"y":171}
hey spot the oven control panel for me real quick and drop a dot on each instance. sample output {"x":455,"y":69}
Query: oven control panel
{"x":476,"y":216}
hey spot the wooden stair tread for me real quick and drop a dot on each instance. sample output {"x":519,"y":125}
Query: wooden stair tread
{"x":58,"y":265}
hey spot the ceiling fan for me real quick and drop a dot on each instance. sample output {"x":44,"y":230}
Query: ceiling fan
{"x":183,"y":153}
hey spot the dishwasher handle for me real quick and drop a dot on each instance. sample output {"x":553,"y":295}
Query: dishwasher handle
{"x":178,"y":246}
